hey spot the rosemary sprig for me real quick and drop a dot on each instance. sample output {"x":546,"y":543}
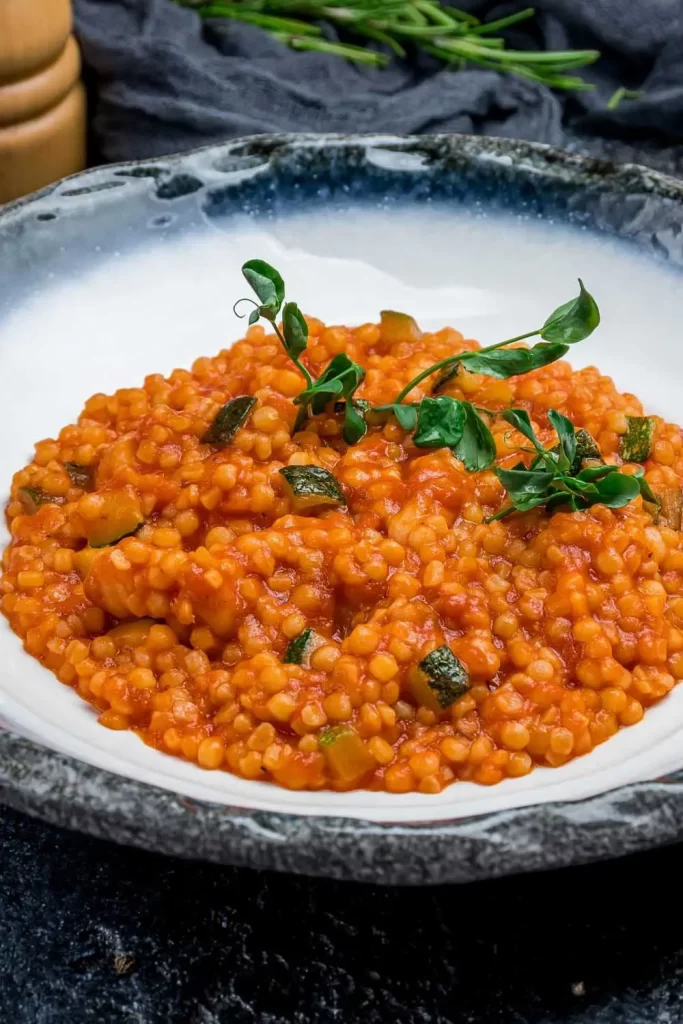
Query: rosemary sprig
{"x":450,"y":35}
{"x":621,"y":94}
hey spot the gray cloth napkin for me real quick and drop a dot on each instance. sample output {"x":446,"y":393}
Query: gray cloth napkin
{"x":164,"y":81}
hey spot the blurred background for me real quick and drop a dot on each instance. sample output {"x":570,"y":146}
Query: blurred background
{"x":113,"y":80}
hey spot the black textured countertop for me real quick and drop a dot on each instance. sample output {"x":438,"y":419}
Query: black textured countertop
{"x":95,"y":932}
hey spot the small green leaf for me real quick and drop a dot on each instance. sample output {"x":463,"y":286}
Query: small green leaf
{"x":593,"y":473}
{"x":355,"y":428}
{"x":584,"y":488}
{"x":522,"y":483}
{"x":440,"y":422}
{"x":502,"y":363}
{"x":525,"y":505}
{"x":268,"y":285}
{"x":294,"y":329}
{"x":561,"y":498}
{"x":476,"y":448}
{"x":519,"y":419}
{"x":405,"y":414}
{"x":644,"y":486}
{"x":573,"y":321}
{"x":564,"y":429}
{"x":322,"y":395}
{"x":340,"y":379}
{"x":617,"y":489}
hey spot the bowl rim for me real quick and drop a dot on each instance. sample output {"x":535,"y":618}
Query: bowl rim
{"x":63,"y":790}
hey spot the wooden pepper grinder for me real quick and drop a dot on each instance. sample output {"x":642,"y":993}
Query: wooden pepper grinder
{"x":42,"y":101}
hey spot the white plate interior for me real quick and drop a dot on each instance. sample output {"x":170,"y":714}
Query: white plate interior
{"x":489,"y":275}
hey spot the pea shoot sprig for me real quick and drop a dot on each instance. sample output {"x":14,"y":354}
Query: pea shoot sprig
{"x":452,"y":36}
{"x":556,"y":477}
{"x":566,"y":475}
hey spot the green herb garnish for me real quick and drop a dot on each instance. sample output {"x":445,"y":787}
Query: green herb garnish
{"x":440,"y":422}
{"x":551,"y":479}
{"x":340,"y":379}
{"x":406,"y":415}
{"x":452,"y":36}
{"x":437,"y":422}
{"x":270,"y":290}
{"x":574,"y":321}
{"x":558,"y":477}
{"x":446,"y":422}
{"x":268,"y":285}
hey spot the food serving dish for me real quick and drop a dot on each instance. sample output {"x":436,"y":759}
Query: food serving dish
{"x":133,"y":270}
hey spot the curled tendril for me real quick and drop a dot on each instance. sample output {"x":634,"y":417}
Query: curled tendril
{"x":239,"y":303}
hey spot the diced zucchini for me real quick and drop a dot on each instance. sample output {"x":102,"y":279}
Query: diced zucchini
{"x":359,"y":403}
{"x":439,"y":680}
{"x":669,"y":506}
{"x":312,"y":487}
{"x":346,"y":754}
{"x":653,"y":509}
{"x":587,"y":451}
{"x":229,"y":419}
{"x":80,"y":476}
{"x":84,"y":559}
{"x":120,"y":515}
{"x":300,"y":649}
{"x":131,"y":634}
{"x":396,"y":327}
{"x":636,"y":443}
{"x":33,"y":497}
{"x":448,"y":374}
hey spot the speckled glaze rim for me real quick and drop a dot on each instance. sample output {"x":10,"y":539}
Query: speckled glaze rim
{"x":630,"y":201}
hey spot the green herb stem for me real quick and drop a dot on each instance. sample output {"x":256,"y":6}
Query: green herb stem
{"x":622,"y":94}
{"x":460,"y":358}
{"x":423,"y":376}
{"x":295,"y":359}
{"x":496,"y":26}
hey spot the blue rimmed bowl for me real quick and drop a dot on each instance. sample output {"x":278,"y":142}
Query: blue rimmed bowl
{"x":133,"y":269}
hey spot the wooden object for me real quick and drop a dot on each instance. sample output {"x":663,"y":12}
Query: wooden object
{"x":42,"y":100}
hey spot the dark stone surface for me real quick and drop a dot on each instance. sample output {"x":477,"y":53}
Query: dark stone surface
{"x":95,"y":932}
